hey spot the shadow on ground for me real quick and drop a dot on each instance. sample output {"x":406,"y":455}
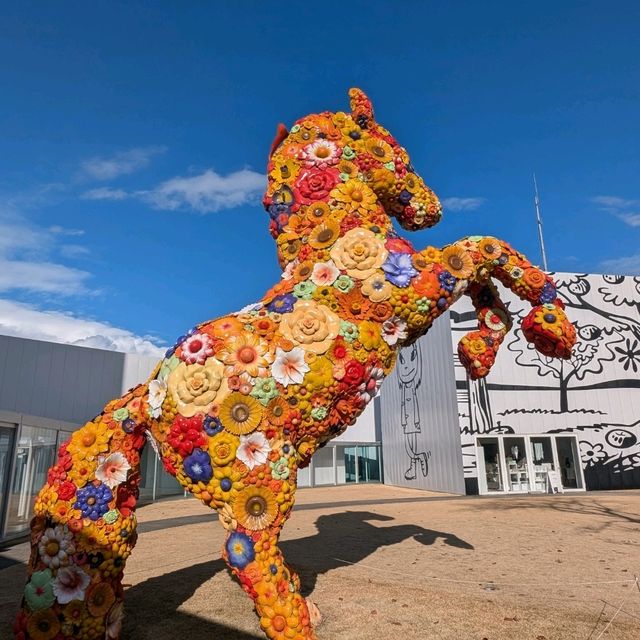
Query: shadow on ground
{"x":341,"y":539}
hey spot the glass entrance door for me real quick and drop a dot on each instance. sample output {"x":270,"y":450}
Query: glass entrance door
{"x":6,"y":449}
{"x":567,"y":450}
{"x":490,"y":468}
{"x":517,"y":464}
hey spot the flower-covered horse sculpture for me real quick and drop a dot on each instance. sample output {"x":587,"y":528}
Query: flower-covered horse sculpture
{"x":240,"y":403}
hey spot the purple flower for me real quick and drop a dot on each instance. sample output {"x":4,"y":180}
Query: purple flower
{"x":282,"y":303}
{"x":548,"y":293}
{"x":240,"y":550}
{"x":198,"y":466}
{"x":211,"y":425}
{"x":447,"y":281}
{"x":398,"y":269}
{"x":93,"y":500}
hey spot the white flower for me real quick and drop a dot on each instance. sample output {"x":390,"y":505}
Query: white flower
{"x":113,"y":469}
{"x":369,"y":388}
{"x":253,"y":449}
{"x":114,"y":621}
{"x":324,"y":273}
{"x":394,"y":329}
{"x":254,"y":306}
{"x":157,"y":394}
{"x":70,"y":584}
{"x":55,"y":547}
{"x":287,"y":274}
{"x":289,"y":367}
{"x":197,"y":348}
{"x":320,"y":153}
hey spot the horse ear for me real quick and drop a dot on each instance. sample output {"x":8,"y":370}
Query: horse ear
{"x":361,"y":107}
{"x":281,"y":133}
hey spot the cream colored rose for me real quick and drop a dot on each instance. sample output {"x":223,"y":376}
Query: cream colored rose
{"x":195,"y":387}
{"x":310,"y":325}
{"x":359,"y":252}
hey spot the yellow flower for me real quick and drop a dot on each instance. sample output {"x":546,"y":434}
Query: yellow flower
{"x":549,"y":320}
{"x":246,"y":352}
{"x":355,"y":196}
{"x":87,"y":443}
{"x":284,"y":170}
{"x":240,"y":414}
{"x":43,"y":625}
{"x":490,"y":248}
{"x":370,"y":335}
{"x":376,"y":287}
{"x":359,"y":252}
{"x":324,"y":234}
{"x":255,"y":508}
{"x":320,"y":374}
{"x":223,"y":492}
{"x":457,"y":261}
{"x":310,"y":325}
{"x":222,"y":448}
{"x":476,"y":347}
{"x":195,"y":387}
{"x":379,"y":149}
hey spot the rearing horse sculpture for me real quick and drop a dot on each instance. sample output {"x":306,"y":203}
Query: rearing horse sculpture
{"x":240,"y":403}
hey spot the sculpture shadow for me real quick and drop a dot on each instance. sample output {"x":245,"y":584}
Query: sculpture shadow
{"x":153,"y":606}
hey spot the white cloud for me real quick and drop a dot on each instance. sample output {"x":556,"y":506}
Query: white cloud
{"x":120,"y":164}
{"x":205,"y":193}
{"x":105,"y":193}
{"x":462,"y":204}
{"x":26,"y":321}
{"x":625,"y":265}
{"x":56,"y":229}
{"x":624,"y":209}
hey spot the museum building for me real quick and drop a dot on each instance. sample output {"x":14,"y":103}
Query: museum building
{"x":534,"y":425}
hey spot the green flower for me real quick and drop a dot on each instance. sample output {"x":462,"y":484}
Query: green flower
{"x":475,"y":238}
{"x":295,"y":128}
{"x":423,"y":305}
{"x":119,"y":415}
{"x":39,"y":590}
{"x":280,"y":469}
{"x":265,"y":390}
{"x":304,"y":290}
{"x":390,"y":166}
{"x":349,"y":331}
{"x":111,"y":516}
{"x":344,"y":284}
{"x":344,"y":177}
{"x":348,"y":153}
{"x":319,"y":413}
{"x":168,"y":365}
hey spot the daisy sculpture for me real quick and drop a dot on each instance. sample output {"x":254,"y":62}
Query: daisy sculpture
{"x":240,"y":403}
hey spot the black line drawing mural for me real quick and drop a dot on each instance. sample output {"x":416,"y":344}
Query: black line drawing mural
{"x":409,"y":368}
{"x":595,"y":395}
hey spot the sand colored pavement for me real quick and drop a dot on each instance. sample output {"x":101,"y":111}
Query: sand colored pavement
{"x":385,"y":562}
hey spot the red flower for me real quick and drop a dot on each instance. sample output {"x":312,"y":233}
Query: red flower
{"x":399,"y":245}
{"x":127,"y":498}
{"x":353,"y":373}
{"x":66,"y":490}
{"x":315,"y":184}
{"x":186,"y":434}
{"x":56,"y":474}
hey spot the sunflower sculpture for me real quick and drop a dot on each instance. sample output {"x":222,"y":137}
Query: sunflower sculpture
{"x":240,"y":403}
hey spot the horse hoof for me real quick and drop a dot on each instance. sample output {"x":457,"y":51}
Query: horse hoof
{"x":315,"y":617}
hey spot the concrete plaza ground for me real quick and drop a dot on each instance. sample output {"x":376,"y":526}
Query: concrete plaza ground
{"x":383,"y":562}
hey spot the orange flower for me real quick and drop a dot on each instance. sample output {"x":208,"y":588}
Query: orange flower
{"x":490,"y":248}
{"x":457,"y":261}
{"x":534,"y":278}
{"x":246,"y":352}
{"x":427,"y":285}
{"x":355,"y":196}
{"x":324,"y":234}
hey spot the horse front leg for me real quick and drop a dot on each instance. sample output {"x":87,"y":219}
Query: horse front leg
{"x":477,"y":349}
{"x":252,"y":553}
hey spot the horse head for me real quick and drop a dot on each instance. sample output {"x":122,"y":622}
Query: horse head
{"x":335,"y":171}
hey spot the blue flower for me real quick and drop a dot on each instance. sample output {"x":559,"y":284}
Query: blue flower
{"x":197,"y":466}
{"x":548,"y":293}
{"x":93,"y":500}
{"x":282,"y":303}
{"x":399,"y":269}
{"x":211,"y":425}
{"x":240,"y":550}
{"x":447,"y":281}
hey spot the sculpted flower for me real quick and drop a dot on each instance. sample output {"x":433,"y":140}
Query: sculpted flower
{"x":157,"y":394}
{"x":457,"y":261}
{"x":112,"y":470}
{"x":310,"y":325}
{"x":399,"y":269}
{"x":355,"y":195}
{"x":39,"y":590}
{"x":195,"y":387}
{"x":324,"y":273}
{"x":55,"y":546}
{"x":114,"y":621}
{"x":359,"y":252}
{"x":315,"y":184}
{"x":246,"y":352}
{"x":320,"y":153}
{"x":394,"y":329}
{"x":197,"y":348}
{"x":70,"y":584}
{"x":376,"y":287}
{"x":253,"y":449}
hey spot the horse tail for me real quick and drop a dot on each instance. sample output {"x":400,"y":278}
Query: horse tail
{"x":84,"y":527}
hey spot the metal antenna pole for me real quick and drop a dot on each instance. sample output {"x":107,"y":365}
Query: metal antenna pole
{"x":539,"y":220}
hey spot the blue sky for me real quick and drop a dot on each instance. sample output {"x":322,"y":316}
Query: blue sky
{"x":135,"y":139}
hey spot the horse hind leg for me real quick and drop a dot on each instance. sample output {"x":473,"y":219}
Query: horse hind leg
{"x":477,"y":349}
{"x":84,"y":529}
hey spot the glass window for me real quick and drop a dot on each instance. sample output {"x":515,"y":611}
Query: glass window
{"x":517,"y":470}
{"x":6,"y":451}
{"x":542,"y":457}
{"x":35,"y":453}
{"x":489,"y":449}
{"x":323,"y":471}
{"x":567,"y":448}
{"x":368,"y":464}
{"x":348,"y":460}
